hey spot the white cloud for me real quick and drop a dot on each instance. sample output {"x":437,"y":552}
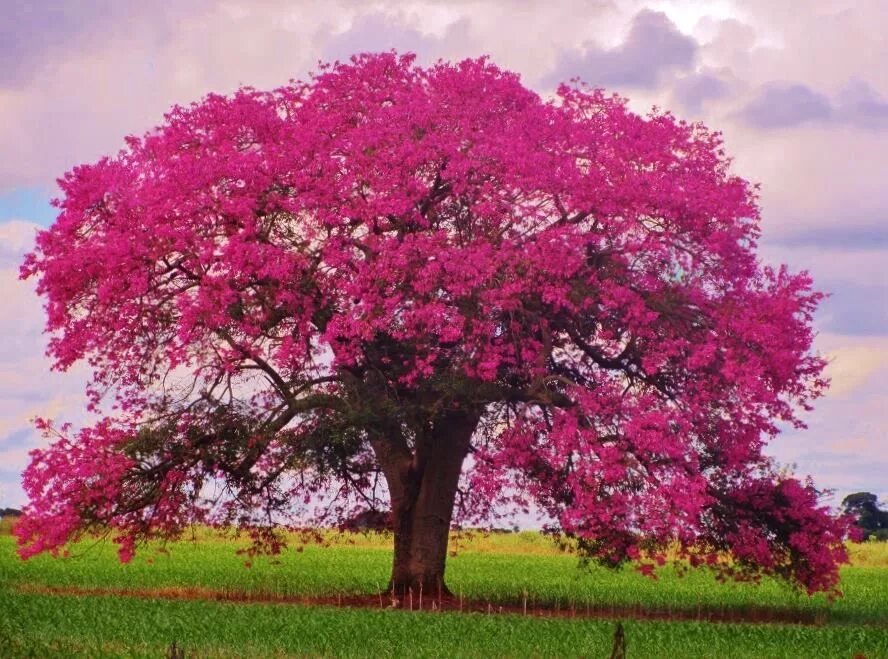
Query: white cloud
{"x":844,"y":447}
{"x":824,"y":199}
{"x":27,"y":387}
{"x":16,"y":238}
{"x":853,"y":362}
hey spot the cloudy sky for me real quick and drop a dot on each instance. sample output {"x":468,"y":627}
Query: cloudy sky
{"x":799,"y":90}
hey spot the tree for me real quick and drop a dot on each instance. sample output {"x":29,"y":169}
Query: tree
{"x":864,"y":508}
{"x":430,"y":290}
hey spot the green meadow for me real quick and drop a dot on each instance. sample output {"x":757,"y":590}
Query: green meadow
{"x":519,"y":594}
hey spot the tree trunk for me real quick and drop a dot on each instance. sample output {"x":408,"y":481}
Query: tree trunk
{"x":421,"y":551}
{"x":423,"y":491}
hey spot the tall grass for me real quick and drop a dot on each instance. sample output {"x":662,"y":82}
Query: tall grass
{"x":499,"y":568}
{"x":487,"y":567}
{"x":6,"y":524}
{"x":46,"y":626}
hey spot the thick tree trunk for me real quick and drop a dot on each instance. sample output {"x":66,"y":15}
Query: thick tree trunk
{"x":423,"y":491}
{"x":421,"y":552}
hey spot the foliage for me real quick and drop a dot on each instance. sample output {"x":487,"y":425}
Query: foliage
{"x":871,"y":519}
{"x":367,"y":276}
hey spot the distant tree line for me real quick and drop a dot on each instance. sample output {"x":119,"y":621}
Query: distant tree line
{"x":870,"y":518}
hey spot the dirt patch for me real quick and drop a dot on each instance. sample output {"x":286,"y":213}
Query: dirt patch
{"x":451,"y":604}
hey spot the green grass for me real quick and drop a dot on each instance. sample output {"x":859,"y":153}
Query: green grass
{"x":495,"y":568}
{"x":43,"y":625}
{"x":499,"y":569}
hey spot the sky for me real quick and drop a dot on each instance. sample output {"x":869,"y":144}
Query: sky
{"x":799,"y":91}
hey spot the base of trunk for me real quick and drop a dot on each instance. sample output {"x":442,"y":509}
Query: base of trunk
{"x":429,"y":588}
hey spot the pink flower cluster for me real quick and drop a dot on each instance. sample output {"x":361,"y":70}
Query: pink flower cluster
{"x":443,"y":239}
{"x":72,"y":482}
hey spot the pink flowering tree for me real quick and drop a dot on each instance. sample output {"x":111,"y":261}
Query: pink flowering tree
{"x":429,"y":291}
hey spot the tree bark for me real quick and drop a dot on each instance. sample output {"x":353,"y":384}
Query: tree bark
{"x":423,"y":485}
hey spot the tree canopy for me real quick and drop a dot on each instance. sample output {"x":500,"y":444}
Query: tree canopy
{"x":432,"y":291}
{"x":869,"y":517}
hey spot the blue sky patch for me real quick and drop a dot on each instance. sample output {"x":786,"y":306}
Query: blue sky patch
{"x":27,"y":204}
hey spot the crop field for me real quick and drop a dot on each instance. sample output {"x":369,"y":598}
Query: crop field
{"x":519,"y":595}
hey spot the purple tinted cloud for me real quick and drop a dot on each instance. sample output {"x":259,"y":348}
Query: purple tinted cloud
{"x":35,"y":32}
{"x":863,"y":106}
{"x":374,"y":32}
{"x":653,"y":47}
{"x":30,"y":31}
{"x":871,"y":113}
{"x":782,"y":104}
{"x":694,"y":90}
{"x":846,"y":233}
{"x":379,"y":32}
{"x":855,"y":309}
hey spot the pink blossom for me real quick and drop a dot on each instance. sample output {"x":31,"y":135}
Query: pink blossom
{"x":273,"y":289}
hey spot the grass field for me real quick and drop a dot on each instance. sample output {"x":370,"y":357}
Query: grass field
{"x":89,"y":605}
